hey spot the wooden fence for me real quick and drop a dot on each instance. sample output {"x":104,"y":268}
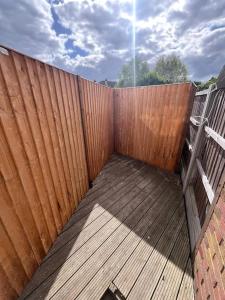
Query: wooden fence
{"x":203,"y":168}
{"x":150,"y":122}
{"x":56,"y":133}
{"x":203,"y":156}
{"x":97,"y":112}
{"x":43,"y":166}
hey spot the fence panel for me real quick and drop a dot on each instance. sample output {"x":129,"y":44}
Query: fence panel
{"x":56,"y":133}
{"x":207,"y":181}
{"x":210,"y":157}
{"x":97,"y":113}
{"x":43,"y":166}
{"x":150,"y":122}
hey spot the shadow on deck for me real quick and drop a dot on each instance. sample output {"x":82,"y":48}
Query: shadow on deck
{"x":131,"y":231}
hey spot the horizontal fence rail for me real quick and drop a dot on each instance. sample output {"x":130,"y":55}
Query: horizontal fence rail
{"x":214,"y":135}
{"x":150,"y":122}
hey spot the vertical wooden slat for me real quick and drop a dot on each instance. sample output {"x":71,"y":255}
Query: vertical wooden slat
{"x":43,"y":170}
{"x":61,"y":100}
{"x":74,"y":146}
{"x":10,"y":262}
{"x":39,"y":159}
{"x":7,"y":292}
{"x":18,"y":237}
{"x":21,"y":183}
{"x":47,"y":148}
{"x":97,"y":109}
{"x":61,"y":138}
{"x":150,"y":122}
{"x":68,"y":128}
{"x":53,"y":152}
{"x":84,"y":117}
{"x":80,"y":137}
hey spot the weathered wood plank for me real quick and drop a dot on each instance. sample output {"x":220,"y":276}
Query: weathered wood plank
{"x":205,"y":181}
{"x":218,"y":138}
{"x":79,"y":280}
{"x":107,"y":238}
{"x":100,"y":227}
{"x":186,"y":291}
{"x":158,"y":259}
{"x":171,"y":277}
{"x":134,"y":265}
{"x":201,"y":93}
{"x":120,"y":209}
{"x":95,"y":289}
{"x":144,"y":213}
{"x":110,"y":194}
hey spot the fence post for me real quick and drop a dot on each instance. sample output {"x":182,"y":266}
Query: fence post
{"x":197,"y":140}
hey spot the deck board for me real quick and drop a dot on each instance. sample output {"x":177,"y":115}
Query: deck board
{"x":130,"y":230}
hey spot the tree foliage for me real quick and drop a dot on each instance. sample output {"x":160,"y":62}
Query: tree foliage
{"x":168,"y":69}
{"x":205,"y":85}
{"x":171,"y":69}
{"x":151,"y":78}
{"x":126,"y":77}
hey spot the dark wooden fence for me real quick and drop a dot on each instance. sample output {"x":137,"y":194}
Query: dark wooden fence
{"x":203,"y":155}
{"x":203,"y":168}
{"x":150,"y":122}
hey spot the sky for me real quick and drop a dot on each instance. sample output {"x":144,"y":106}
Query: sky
{"x":93,"y":38}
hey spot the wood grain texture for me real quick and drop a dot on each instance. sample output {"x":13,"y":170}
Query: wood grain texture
{"x":150,"y":122}
{"x":56,"y":134}
{"x":97,"y":112}
{"x":43,"y":170}
{"x":210,"y":153}
{"x":208,"y":255}
{"x":140,"y":234}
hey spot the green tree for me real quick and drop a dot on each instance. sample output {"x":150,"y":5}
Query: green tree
{"x":151,"y":78}
{"x":205,"y":85}
{"x":171,"y":69}
{"x":126,"y":77}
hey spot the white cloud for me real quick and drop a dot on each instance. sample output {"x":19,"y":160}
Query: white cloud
{"x":94,"y":37}
{"x":27,"y":26}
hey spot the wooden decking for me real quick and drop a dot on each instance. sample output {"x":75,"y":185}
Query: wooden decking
{"x":130,"y":231}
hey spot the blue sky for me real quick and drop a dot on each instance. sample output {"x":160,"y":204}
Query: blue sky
{"x":93,"y":38}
